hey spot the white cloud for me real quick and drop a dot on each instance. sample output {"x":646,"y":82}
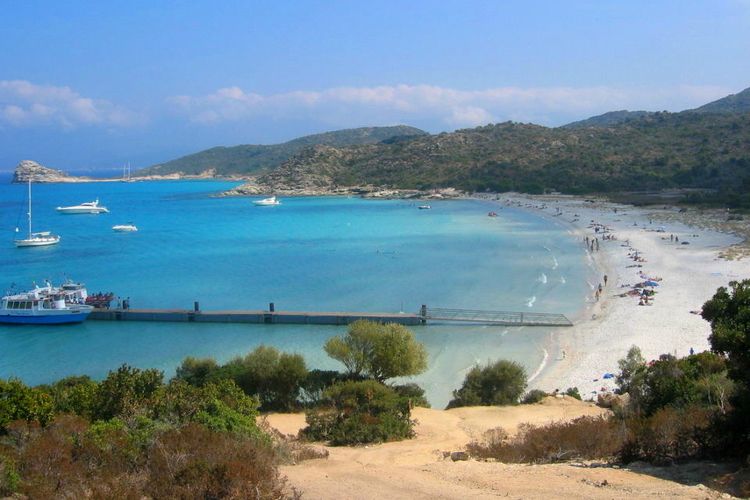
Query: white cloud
{"x":453,"y":107}
{"x":24,"y":104}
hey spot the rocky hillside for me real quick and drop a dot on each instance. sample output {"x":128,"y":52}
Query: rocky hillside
{"x":38,"y":173}
{"x":254,"y":159}
{"x":734,"y":103}
{"x":655,"y":151}
{"x":608,"y":119}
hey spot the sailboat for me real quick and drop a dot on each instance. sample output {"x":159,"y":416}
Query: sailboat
{"x":39,"y":239}
{"x":126,"y":173}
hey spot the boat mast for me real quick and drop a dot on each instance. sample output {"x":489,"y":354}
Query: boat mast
{"x":29,"y":206}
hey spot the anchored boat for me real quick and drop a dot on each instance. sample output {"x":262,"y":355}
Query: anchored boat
{"x":90,"y":207}
{"x":46,"y":305}
{"x":38,"y":239}
{"x":267,"y":202}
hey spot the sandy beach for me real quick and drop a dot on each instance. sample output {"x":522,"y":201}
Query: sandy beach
{"x":683,"y":252}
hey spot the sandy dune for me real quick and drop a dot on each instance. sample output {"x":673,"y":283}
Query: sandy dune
{"x":417,"y":468}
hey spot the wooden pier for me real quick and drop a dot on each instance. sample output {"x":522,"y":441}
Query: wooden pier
{"x":273,"y":317}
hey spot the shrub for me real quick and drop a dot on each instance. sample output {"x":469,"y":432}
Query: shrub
{"x":670,"y":435}
{"x":573,"y":393}
{"x":413,"y":393}
{"x":360,"y":412}
{"x":533,"y":396}
{"x":584,"y":438}
{"x":500,"y":383}
{"x":276,"y":378}
{"x":316,"y":382}
{"x":20,"y":402}
{"x":74,"y":395}
{"x":124,"y":390}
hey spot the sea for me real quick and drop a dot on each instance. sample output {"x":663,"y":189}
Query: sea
{"x":317,"y":254}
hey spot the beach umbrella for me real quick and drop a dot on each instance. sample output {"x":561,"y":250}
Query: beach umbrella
{"x":651,"y":283}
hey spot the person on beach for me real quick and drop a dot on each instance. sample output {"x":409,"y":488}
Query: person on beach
{"x":597,"y":295}
{"x":605,"y":280}
{"x":691,"y":351}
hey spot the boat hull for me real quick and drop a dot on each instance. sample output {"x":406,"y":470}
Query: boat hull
{"x":38,"y":242}
{"x":44,"y":319}
{"x":71,"y":211}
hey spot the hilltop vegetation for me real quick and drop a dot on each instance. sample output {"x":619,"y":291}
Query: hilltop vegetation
{"x":655,"y":151}
{"x":733,"y":103}
{"x":250,"y":158}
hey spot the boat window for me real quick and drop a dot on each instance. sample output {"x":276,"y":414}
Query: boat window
{"x":27,"y":305}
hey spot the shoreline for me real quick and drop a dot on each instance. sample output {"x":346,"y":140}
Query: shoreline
{"x":604,"y":330}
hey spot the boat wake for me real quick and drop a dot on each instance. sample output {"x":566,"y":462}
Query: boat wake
{"x":531,"y":301}
{"x":542,"y":279}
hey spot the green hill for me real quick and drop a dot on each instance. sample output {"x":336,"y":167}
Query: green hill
{"x":734,"y":103}
{"x":608,"y":119}
{"x":656,"y":151}
{"x":252,"y":159}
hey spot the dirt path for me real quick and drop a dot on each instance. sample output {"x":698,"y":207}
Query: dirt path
{"x":416,"y":468}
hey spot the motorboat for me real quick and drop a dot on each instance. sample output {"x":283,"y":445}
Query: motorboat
{"x":424,"y":207}
{"x":125,"y":228}
{"x":90,"y":207}
{"x":492,"y":214}
{"x":267,"y":202}
{"x":38,"y":239}
{"x":46,"y":305}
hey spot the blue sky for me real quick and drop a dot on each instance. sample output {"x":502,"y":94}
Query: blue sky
{"x":97,"y":84}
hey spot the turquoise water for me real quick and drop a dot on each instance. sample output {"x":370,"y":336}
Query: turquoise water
{"x":307,"y":254}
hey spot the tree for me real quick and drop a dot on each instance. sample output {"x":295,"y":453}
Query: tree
{"x":275,"y":377}
{"x":499,"y":383}
{"x":379,"y":351}
{"x":196,"y":371}
{"x":728,"y":311}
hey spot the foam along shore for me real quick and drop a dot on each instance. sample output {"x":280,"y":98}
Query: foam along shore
{"x":635,"y":248}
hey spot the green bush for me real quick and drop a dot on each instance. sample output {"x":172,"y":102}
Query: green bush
{"x":413,"y":393}
{"x":20,"y":402}
{"x":276,"y":378}
{"x":533,"y":396}
{"x":358,"y":413}
{"x":499,"y":383}
{"x":573,"y":393}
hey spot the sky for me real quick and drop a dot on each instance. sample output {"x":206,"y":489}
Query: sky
{"x":92,"y":85}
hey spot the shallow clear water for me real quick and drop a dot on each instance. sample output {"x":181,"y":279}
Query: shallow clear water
{"x":307,"y":254}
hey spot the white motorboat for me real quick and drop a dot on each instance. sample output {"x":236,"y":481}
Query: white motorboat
{"x":38,"y":239}
{"x":91,"y":207}
{"x":424,"y":207}
{"x":125,"y":228}
{"x":267,"y":202}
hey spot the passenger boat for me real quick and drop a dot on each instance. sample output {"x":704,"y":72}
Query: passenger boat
{"x":125,"y":228}
{"x":46,"y":305}
{"x":38,"y":239}
{"x":90,"y":207}
{"x":267,"y":202}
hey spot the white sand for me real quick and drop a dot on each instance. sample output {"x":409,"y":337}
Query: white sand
{"x":690,"y":276}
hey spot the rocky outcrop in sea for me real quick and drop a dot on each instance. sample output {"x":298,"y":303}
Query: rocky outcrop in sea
{"x":30,"y":169}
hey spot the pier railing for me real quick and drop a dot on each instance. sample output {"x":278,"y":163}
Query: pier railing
{"x":504,"y":318}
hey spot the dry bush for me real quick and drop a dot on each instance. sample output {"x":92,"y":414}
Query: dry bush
{"x":670,"y":435}
{"x":582,"y":438}
{"x":194,"y":462}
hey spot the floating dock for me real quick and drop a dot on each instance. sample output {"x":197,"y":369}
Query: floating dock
{"x":273,"y":317}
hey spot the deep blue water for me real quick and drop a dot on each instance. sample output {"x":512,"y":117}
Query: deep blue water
{"x":309,"y":253}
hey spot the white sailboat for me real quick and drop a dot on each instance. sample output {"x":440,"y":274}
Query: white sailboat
{"x":126,"y":173}
{"x":38,"y":239}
